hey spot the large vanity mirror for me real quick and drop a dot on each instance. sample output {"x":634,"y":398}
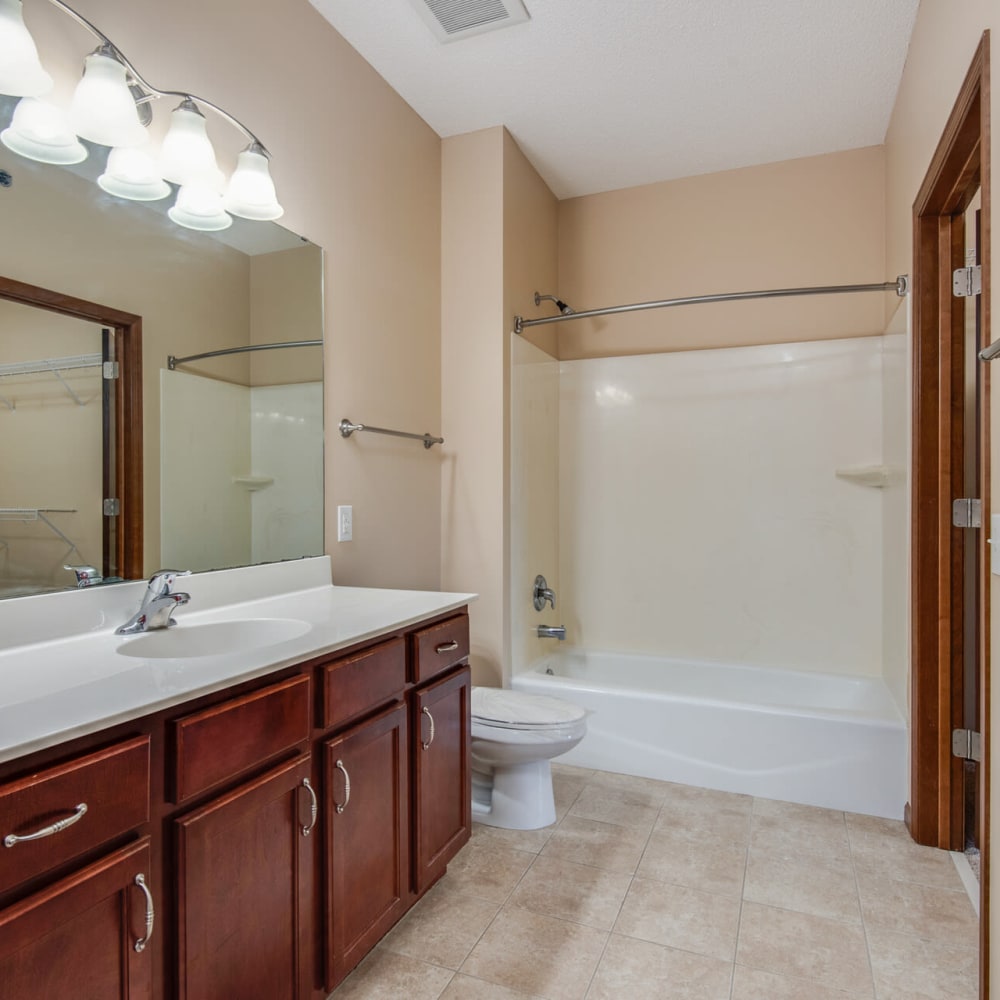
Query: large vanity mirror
{"x":230,"y":446}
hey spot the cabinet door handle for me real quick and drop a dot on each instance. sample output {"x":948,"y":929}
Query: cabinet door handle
{"x":140,"y":944}
{"x":446,"y":647}
{"x":427,"y":712}
{"x":11,"y":839}
{"x":341,"y":806}
{"x":313,"y":808}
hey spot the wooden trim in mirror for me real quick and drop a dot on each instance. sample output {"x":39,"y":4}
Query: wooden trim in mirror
{"x":127,"y":329}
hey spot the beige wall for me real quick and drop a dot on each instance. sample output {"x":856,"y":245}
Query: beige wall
{"x":472,"y":404}
{"x":359,"y":174}
{"x":814,"y":221}
{"x":940,"y":52}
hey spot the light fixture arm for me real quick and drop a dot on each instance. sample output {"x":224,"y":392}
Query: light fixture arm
{"x":151,"y":91}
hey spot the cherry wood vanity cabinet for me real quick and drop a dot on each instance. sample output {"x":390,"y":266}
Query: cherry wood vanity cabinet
{"x":215,"y":849}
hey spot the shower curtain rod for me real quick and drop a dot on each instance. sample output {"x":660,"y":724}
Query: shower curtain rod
{"x":900,"y":286}
{"x":173,"y":362}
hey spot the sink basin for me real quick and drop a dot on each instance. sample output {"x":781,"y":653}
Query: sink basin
{"x":213,"y":638}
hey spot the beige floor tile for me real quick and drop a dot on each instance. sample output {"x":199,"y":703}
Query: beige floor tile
{"x":679,"y":917}
{"x":384,"y":975}
{"x":912,"y":968}
{"x":752,"y":984}
{"x":681,"y":860}
{"x":614,"y":805}
{"x":536,"y":954}
{"x":570,"y":891}
{"x":566,"y":790}
{"x":442,"y":928}
{"x":885,"y":847}
{"x":793,"y":829}
{"x":647,"y":790}
{"x":706,"y":815}
{"x":487,"y":871}
{"x":943,"y":915}
{"x":807,"y":885}
{"x":601,"y":845}
{"x":531,"y":841}
{"x":572,"y":771}
{"x":641,"y":970}
{"x":467,"y":988}
{"x":801,"y":946}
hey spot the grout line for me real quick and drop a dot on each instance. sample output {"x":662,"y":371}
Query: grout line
{"x":861,"y":909}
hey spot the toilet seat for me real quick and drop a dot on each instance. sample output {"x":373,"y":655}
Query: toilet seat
{"x":499,"y":708}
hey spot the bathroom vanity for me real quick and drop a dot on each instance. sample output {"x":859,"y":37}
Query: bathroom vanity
{"x":238,"y":822}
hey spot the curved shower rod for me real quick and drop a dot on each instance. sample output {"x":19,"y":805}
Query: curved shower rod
{"x":901,"y":286}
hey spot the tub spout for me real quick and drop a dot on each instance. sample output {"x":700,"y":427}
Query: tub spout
{"x":552,"y":632}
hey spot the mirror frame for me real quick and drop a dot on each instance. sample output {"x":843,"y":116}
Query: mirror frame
{"x":126,"y":481}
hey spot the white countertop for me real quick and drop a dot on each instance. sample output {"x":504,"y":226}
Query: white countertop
{"x":76,"y":681}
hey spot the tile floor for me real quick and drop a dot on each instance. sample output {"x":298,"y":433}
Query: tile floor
{"x":645,"y":889}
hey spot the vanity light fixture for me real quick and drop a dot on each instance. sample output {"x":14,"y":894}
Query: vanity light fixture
{"x":110,"y":107}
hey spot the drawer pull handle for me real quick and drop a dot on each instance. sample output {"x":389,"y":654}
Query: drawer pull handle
{"x":427,"y":745}
{"x":447,"y":647}
{"x":313,"y":808}
{"x":11,"y":839}
{"x":341,"y":806}
{"x":140,"y":944}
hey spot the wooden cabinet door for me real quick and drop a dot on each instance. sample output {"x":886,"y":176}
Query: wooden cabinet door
{"x":78,"y":937}
{"x":367,"y":823}
{"x":242,"y":880}
{"x":442,"y":793}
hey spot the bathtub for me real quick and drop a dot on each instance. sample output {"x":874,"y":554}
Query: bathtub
{"x":819,"y":739}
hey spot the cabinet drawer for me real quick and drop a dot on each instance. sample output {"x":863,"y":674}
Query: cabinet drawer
{"x":358,"y":684}
{"x":102,"y":795}
{"x":440,"y":647}
{"x":221,"y":741}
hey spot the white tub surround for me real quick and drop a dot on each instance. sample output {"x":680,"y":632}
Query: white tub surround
{"x":820,"y":739}
{"x":62,"y":672}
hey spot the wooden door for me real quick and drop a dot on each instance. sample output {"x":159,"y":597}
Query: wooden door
{"x":243,"y":897}
{"x":78,"y":937}
{"x":365,"y":797}
{"x":442,"y":792}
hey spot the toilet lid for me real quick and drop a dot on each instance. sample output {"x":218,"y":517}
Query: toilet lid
{"x":501,"y":707}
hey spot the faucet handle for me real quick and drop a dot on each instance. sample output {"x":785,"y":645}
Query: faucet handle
{"x":86,"y":576}
{"x":163,"y":579}
{"x":542,"y":593}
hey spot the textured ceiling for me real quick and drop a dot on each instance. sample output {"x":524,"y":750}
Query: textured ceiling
{"x":605,"y":95}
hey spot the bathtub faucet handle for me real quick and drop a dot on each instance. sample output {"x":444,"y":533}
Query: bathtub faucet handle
{"x":542,"y":593}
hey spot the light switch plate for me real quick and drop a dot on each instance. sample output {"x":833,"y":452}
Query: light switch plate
{"x":345,"y":523}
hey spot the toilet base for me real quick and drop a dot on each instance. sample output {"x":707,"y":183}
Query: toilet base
{"x":513,"y":796}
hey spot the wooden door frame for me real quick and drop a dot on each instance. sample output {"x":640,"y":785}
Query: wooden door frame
{"x":128,"y":407}
{"x":960,"y":166}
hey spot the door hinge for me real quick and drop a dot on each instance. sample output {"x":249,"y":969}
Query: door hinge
{"x":967,"y":513}
{"x":966,"y":744}
{"x":966,"y":281}
{"x":110,"y":370}
{"x":112,"y":506}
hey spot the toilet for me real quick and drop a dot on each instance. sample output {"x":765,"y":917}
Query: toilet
{"x":514,"y":736}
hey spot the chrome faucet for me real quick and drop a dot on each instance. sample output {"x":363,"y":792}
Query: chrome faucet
{"x":552,"y":632}
{"x":542,"y":593}
{"x":158,"y":604}
{"x":86,"y":576}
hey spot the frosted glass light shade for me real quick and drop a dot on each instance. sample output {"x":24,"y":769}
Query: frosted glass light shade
{"x":21,"y":72}
{"x":103,"y":109}
{"x":133,"y":173}
{"x":187,"y":156}
{"x":199,"y":207}
{"x":251,"y":193}
{"x":40,"y":131}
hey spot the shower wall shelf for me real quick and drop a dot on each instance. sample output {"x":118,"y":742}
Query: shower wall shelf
{"x":253,"y":483}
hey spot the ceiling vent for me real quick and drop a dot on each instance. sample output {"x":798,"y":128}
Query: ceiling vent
{"x":451,"y":20}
